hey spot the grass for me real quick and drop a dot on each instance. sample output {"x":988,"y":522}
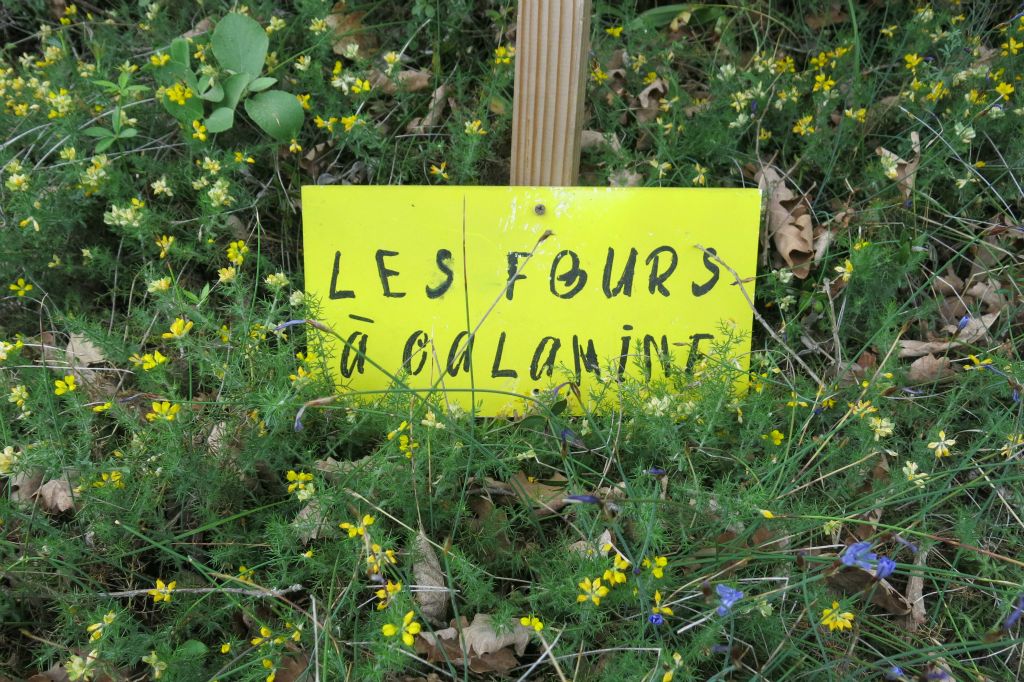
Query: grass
{"x":165,"y":518}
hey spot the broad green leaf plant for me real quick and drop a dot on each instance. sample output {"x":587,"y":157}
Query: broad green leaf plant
{"x":239,"y":45}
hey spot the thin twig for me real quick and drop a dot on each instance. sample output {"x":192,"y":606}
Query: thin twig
{"x":547,"y":654}
{"x":738,"y":281}
{"x":256,"y":592}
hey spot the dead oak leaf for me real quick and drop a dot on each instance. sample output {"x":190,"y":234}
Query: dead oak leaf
{"x":55,"y":496}
{"x":832,"y":16}
{"x":349,"y":32}
{"x":915,"y":594}
{"x":592,"y":548}
{"x":976,"y":329}
{"x":25,"y":484}
{"x":432,"y":591}
{"x":905,"y":172}
{"x":929,"y":369}
{"x":83,"y":352}
{"x":788,"y":220}
{"x":477,"y":646}
{"x":853,"y":580}
{"x":648,"y":100}
{"x":312,"y":524}
{"x":625,"y":178}
{"x":544,"y":498}
{"x":409,"y":80}
{"x":438,"y":101}
{"x":914,"y":349}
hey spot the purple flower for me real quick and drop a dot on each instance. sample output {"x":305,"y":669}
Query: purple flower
{"x":728,"y":596}
{"x":909,"y":545}
{"x":720,"y":649}
{"x":894,"y":673}
{"x":289,"y":323}
{"x":568,"y":436}
{"x":655,"y":471}
{"x":1015,"y":614}
{"x":583,"y":499}
{"x":886,"y":567}
{"x":858,"y":554}
{"x":655,"y":619}
{"x":963,"y":322}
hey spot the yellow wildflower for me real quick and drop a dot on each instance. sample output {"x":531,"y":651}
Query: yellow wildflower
{"x":836,"y":620}
{"x":357,"y":529}
{"x":162,"y":592}
{"x":164,"y":242}
{"x":657,"y":566}
{"x":96,"y":629}
{"x":65,"y":385}
{"x":532,"y":622}
{"x":941,"y":446}
{"x":803,"y":126}
{"x":21,"y":287}
{"x":178,"y":93}
{"x":237,"y":251}
{"x":592,"y":591}
{"x":163,"y":410}
{"x":179,"y":328}
{"x":409,"y":629}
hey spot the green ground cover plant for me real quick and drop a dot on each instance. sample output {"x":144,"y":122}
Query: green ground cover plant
{"x":185,"y":495}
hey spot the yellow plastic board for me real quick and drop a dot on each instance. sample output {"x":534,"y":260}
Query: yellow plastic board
{"x":455,"y":288}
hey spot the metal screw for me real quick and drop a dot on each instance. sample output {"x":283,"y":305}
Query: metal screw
{"x":539,"y":209}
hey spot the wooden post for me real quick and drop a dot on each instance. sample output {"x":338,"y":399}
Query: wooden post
{"x":552,"y":45}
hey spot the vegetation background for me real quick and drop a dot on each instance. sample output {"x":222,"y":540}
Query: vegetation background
{"x":178,"y":505}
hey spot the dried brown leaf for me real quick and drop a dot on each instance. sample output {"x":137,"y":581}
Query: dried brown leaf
{"x":202,"y":26}
{"x":595,"y":139}
{"x":929,"y":368}
{"x":24,"y":485}
{"x":625,"y":178}
{"x":649,"y":107}
{"x":409,"y":80}
{"x":82,"y":352}
{"x":489,"y":521}
{"x":853,"y":579}
{"x":906,"y":171}
{"x":311,"y":523}
{"x":55,"y":496}
{"x":56,"y":673}
{"x":834,"y":15}
{"x":348,"y":31}
{"x":915,"y":594}
{"x":947,"y":284}
{"x":915,"y":349}
{"x":476,"y":646}
{"x":788,"y":219}
{"x":434,"y":112}
{"x":544,"y":498}
{"x":588,"y":548}
{"x":975,"y":330}
{"x":432,"y":594}
{"x":988,"y":293}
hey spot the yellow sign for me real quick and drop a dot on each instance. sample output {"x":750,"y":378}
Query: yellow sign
{"x":458,"y":288}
